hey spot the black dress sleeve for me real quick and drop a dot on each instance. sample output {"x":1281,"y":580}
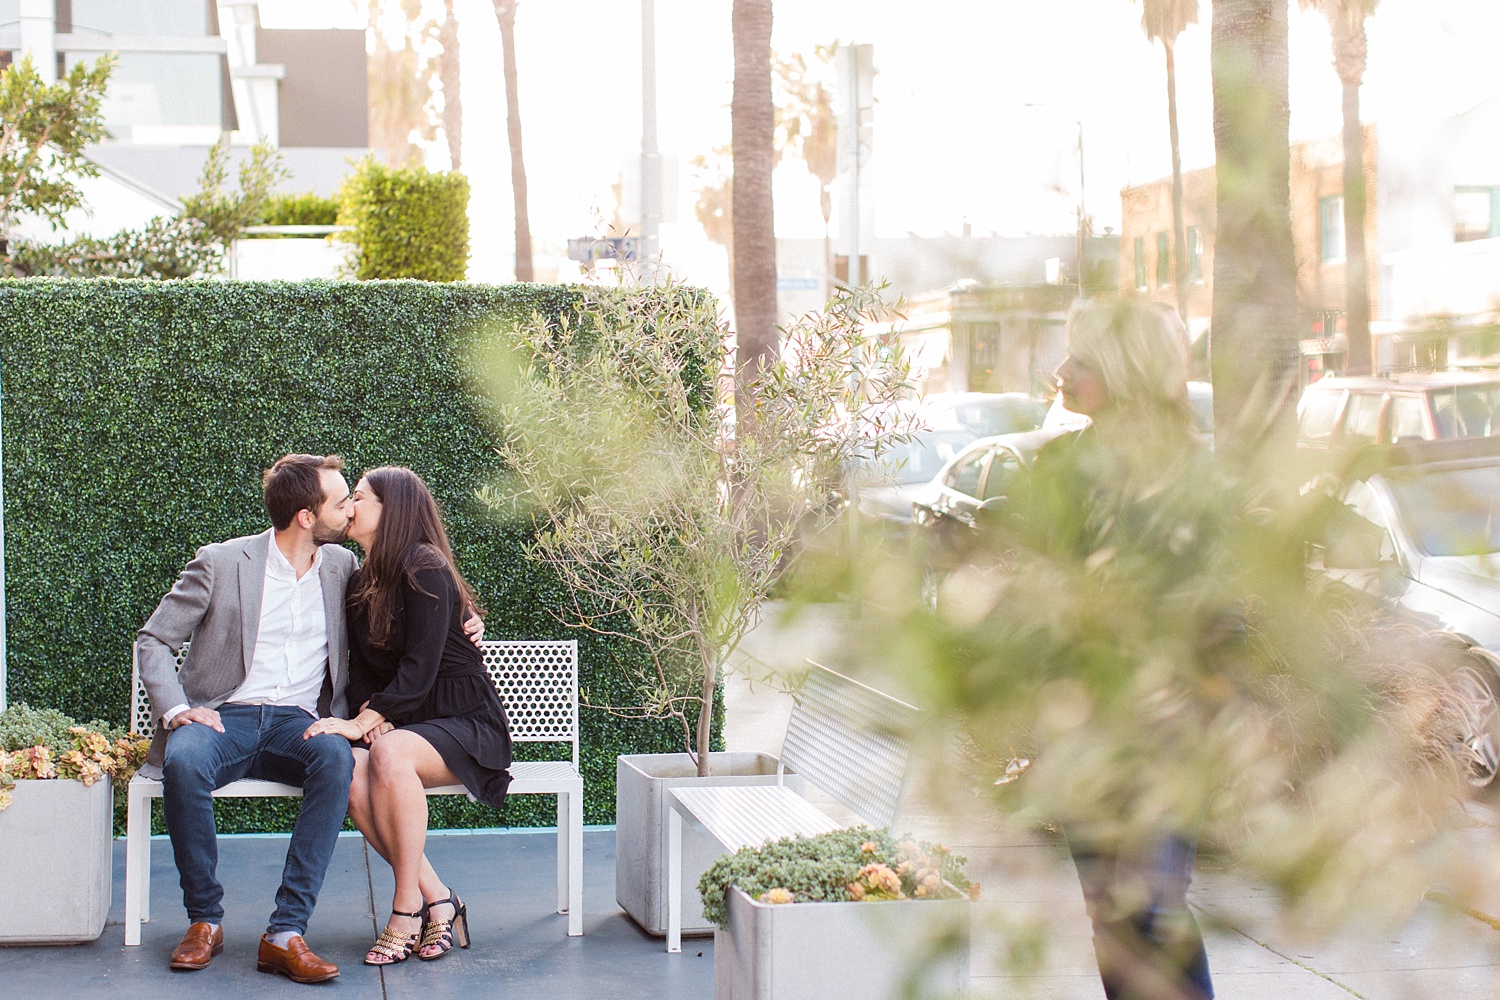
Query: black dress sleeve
{"x":361,"y":683}
{"x":425,"y":617}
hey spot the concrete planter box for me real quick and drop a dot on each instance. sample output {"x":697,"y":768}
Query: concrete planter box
{"x":813,"y":951}
{"x":641,"y":783}
{"x":55,"y":839}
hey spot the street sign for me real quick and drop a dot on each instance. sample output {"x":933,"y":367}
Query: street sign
{"x":798,"y":284}
{"x":592,"y":248}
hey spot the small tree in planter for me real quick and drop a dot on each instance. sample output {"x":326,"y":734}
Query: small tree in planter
{"x":655,"y":510}
{"x":55,"y":811}
{"x":893,"y":910}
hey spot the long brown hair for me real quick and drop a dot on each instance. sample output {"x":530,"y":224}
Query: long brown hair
{"x":410,"y":537}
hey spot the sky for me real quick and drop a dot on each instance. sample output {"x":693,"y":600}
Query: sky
{"x":978,"y":104}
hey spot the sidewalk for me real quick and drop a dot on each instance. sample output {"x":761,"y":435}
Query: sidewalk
{"x":1031,"y":891}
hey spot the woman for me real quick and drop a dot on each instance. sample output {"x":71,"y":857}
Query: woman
{"x":1130,"y":505}
{"x":429,"y":714}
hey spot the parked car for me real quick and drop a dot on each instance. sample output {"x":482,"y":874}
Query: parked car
{"x":1200,"y":395}
{"x":1422,"y":535}
{"x":982,"y":414}
{"x":1341,"y":414}
{"x":949,"y":511}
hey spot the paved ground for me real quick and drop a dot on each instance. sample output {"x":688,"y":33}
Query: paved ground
{"x":521,"y":949}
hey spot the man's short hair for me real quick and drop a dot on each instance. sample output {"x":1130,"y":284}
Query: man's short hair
{"x":295,"y":483}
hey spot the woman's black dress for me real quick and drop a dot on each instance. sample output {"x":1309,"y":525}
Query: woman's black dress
{"x":429,"y":679}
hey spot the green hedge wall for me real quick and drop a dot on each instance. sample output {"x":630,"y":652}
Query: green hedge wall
{"x":138,"y":416}
{"x":408,"y":222}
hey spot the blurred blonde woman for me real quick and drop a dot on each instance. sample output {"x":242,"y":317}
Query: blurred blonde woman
{"x":1130,"y":505}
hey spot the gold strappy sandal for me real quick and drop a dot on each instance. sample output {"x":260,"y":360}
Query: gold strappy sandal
{"x":440,"y":934}
{"x":392,"y":946}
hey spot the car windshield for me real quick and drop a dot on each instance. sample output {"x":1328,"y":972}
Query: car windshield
{"x":914,"y":461}
{"x":1454,"y":512}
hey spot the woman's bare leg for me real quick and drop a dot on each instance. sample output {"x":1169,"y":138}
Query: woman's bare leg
{"x":402,"y":766}
{"x":361,"y":811}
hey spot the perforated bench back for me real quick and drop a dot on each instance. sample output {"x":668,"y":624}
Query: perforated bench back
{"x":537,"y":681}
{"x":851,"y":742}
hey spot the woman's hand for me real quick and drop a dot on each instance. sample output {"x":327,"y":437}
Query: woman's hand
{"x":379,"y":730}
{"x":474,"y":626}
{"x":347,"y":728}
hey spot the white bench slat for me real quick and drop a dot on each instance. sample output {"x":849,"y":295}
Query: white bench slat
{"x":845,"y":738}
{"x":751,"y":815}
{"x":538,"y":684}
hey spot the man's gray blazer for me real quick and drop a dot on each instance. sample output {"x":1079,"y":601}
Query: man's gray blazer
{"x":216,"y":604}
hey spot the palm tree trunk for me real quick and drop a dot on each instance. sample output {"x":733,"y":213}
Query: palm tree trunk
{"x":1356,"y":266}
{"x":751,"y":127}
{"x":1255,"y":318}
{"x":1179,"y":236}
{"x":453,"y":113}
{"x":505,"y":13}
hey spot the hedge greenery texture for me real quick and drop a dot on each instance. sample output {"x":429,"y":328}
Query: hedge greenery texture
{"x":407,"y":222}
{"x":138,"y":416}
{"x":306,"y":209}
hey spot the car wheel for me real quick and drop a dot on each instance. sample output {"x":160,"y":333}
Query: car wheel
{"x":1475,"y":690}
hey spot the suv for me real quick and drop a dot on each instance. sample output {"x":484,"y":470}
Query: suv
{"x":1421,"y":534}
{"x":1342,"y":413}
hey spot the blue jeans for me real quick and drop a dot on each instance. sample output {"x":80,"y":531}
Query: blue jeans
{"x":1146,"y":939}
{"x":265,"y":742}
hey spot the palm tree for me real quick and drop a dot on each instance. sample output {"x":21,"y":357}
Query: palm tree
{"x":1254,"y":327}
{"x":1163,"y":21}
{"x":505,"y":14}
{"x":752,"y":127}
{"x":1346,"y":22}
{"x":453,"y":113}
{"x":400,"y":83}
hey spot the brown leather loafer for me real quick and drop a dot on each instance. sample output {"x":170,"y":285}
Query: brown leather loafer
{"x":296,"y":961}
{"x":199,"y":945}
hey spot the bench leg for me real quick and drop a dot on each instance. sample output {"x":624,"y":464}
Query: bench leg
{"x":564,"y":859}
{"x":137,"y":863}
{"x":674,"y":881}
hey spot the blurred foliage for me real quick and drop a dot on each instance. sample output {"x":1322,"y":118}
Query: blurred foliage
{"x":407,"y":222}
{"x":1161,"y":661}
{"x":140,"y":414}
{"x":655,"y":508}
{"x":853,"y":865}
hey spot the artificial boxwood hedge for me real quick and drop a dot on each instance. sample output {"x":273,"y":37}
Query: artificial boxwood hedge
{"x":408,"y":222}
{"x":138,"y":416}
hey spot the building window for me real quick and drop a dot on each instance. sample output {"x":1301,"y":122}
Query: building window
{"x":1331,"y":227}
{"x":1163,"y":261}
{"x":1140,"y":262}
{"x":1195,"y":254}
{"x":1476,"y":213}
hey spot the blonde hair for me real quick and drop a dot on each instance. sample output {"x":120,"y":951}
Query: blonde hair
{"x":1139,"y":349}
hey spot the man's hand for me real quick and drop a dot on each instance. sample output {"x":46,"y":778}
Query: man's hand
{"x":474,"y":627}
{"x":347,"y":728}
{"x":200,"y":715}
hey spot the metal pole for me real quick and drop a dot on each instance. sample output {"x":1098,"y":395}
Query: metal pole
{"x":1081,"y":209}
{"x":650,"y":154}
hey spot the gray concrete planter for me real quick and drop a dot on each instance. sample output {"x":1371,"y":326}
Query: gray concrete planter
{"x":813,"y":951}
{"x":55,"y":837}
{"x":641,"y":783}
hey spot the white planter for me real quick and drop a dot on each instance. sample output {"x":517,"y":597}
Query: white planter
{"x":813,"y":951}
{"x":641,"y":783}
{"x":55,"y":838}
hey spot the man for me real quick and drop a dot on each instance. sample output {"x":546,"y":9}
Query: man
{"x":265,"y":615}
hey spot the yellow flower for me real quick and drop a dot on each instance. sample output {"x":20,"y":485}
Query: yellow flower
{"x":776,"y":896}
{"x":868,"y":847}
{"x":856,"y":891}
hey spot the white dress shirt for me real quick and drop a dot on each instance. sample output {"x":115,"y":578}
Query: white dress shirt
{"x":291,"y":645}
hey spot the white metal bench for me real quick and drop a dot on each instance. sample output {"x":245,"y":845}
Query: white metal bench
{"x":538,"y":683}
{"x":847,"y":739}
